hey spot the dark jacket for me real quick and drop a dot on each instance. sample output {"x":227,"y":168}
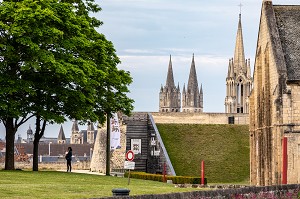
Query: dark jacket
{"x":69,"y":156}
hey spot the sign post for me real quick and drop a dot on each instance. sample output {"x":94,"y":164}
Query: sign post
{"x":129,"y":164}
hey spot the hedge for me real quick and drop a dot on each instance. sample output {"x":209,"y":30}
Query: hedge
{"x":159,"y":177}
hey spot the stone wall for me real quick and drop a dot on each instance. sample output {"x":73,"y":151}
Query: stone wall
{"x":293,"y":166}
{"x":274,"y":192}
{"x":83,"y":165}
{"x":199,"y":118}
{"x":266,"y":109}
{"x":98,"y":162}
{"x":274,"y":109}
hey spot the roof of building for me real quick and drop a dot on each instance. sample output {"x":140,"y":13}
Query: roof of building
{"x":239,"y":55}
{"x":61,"y":134}
{"x":170,"y":78}
{"x":192,"y":86}
{"x":288,"y":24}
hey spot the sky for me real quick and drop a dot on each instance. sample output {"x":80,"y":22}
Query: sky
{"x":146,"y":32}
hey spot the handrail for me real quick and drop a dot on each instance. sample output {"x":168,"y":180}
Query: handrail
{"x":162,"y":145}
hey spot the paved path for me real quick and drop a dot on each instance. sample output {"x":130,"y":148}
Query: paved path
{"x":84,"y":171}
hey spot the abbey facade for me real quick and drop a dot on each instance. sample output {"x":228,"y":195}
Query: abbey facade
{"x":191,"y":100}
{"x":238,"y":85}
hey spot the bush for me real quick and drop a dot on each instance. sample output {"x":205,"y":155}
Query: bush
{"x":159,"y":177}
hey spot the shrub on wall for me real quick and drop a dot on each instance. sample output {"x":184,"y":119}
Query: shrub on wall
{"x":159,"y":177}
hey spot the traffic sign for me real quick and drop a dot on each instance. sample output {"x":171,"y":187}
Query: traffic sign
{"x":129,"y":165}
{"x":129,"y":155}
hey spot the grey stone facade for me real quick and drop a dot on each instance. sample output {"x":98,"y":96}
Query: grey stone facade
{"x":169,"y":96}
{"x":192,"y":97}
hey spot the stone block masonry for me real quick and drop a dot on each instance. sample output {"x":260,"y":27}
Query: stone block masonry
{"x":199,"y":118}
{"x":275,"y":192}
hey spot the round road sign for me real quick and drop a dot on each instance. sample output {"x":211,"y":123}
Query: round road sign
{"x":129,"y":155}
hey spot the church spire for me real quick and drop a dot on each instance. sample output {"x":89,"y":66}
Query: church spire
{"x":239,"y":55}
{"x":169,"y":95}
{"x":170,"y":79}
{"x":61,"y":134}
{"x":192,"y":86}
{"x":238,"y":81}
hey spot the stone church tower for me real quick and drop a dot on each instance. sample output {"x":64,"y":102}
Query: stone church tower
{"x":76,"y":137}
{"x":90,"y":133}
{"x":192,"y":98}
{"x":238,"y":80}
{"x":169,"y":96}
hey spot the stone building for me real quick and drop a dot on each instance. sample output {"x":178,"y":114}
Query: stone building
{"x":238,"y":80}
{"x":87,"y":136}
{"x":84,"y":136}
{"x":90,"y":133}
{"x":76,"y":136}
{"x":170,"y":96}
{"x":30,"y":135}
{"x":275,"y":98}
{"x":192,"y":98}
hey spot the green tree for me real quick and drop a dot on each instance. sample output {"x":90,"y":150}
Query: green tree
{"x":57,"y":66}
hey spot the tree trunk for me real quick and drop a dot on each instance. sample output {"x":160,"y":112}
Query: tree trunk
{"x":35,"y":164}
{"x":39,"y":132}
{"x":10,"y":144}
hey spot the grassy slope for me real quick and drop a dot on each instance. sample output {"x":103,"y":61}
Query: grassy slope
{"x":224,"y":149}
{"x":52,"y":184}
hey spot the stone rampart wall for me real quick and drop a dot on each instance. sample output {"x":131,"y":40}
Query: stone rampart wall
{"x":274,"y":192}
{"x":83,"y":165}
{"x":199,"y":118}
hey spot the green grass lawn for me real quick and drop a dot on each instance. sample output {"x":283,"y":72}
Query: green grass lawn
{"x":224,"y":149}
{"x":52,"y":184}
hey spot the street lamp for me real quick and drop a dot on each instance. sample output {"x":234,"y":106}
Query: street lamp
{"x":49,"y":148}
{"x":91,"y":153}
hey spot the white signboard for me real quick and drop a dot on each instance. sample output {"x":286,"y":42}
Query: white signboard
{"x":114,"y":132}
{"x":156,"y":153}
{"x":129,"y":165}
{"x":136,"y":146}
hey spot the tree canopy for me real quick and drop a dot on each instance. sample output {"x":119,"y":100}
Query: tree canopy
{"x":54,"y":65}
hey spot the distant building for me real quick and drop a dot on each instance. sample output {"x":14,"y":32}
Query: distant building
{"x":192,"y":98}
{"x":170,"y":97}
{"x":77,"y":137}
{"x":30,"y":136}
{"x":91,"y":134}
{"x":238,"y":80}
{"x":61,"y":136}
{"x":84,"y":136}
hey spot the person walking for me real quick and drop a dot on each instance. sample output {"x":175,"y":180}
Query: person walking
{"x":69,"y":159}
